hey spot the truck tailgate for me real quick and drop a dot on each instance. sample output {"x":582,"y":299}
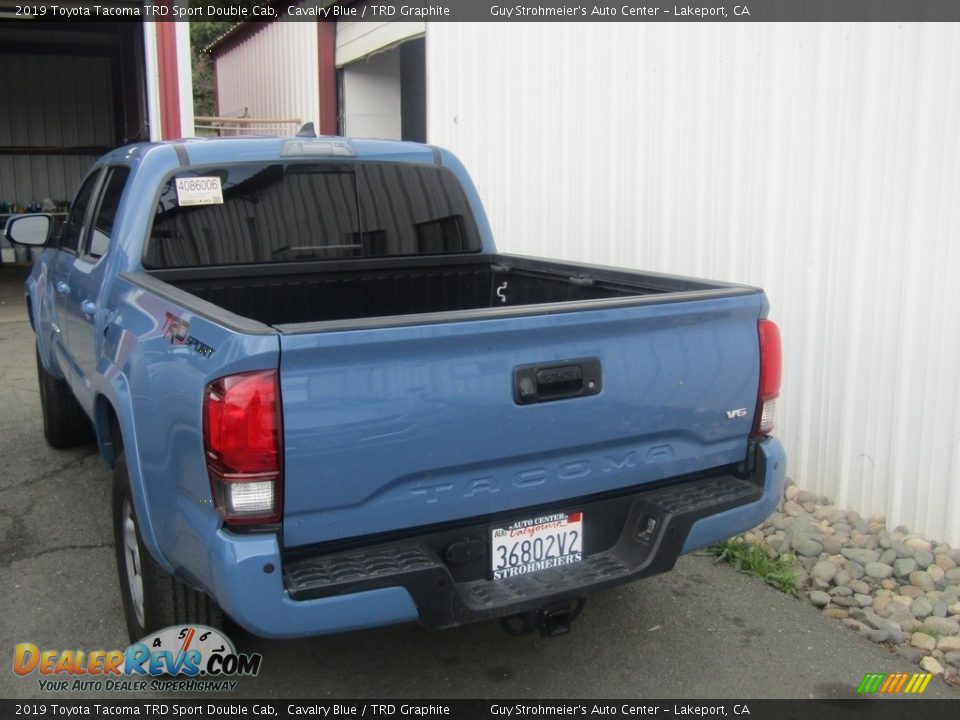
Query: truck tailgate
{"x":406,"y":426}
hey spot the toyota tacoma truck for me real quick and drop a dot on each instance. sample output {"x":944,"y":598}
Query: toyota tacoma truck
{"x":329,"y":403}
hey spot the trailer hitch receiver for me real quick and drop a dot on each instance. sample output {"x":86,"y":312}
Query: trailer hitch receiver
{"x":551,"y":620}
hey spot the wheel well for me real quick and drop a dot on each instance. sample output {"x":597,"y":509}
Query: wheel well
{"x":109,"y":437}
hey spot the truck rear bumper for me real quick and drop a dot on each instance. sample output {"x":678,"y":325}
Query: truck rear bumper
{"x":441,"y":578}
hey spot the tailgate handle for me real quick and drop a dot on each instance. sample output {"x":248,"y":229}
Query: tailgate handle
{"x":556,"y":381}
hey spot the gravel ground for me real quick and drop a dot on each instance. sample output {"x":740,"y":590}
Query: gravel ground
{"x":895,"y":588}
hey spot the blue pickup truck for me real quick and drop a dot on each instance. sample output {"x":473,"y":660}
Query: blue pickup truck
{"x":330,"y":404}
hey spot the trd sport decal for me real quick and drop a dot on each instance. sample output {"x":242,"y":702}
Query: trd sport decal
{"x":177,"y":331}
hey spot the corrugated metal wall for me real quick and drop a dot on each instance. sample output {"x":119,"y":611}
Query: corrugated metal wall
{"x":52,"y":101}
{"x":272,"y":74}
{"x":357,"y":39}
{"x":820,"y":161}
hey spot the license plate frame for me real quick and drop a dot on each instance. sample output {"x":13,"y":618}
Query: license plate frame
{"x":531,"y":545}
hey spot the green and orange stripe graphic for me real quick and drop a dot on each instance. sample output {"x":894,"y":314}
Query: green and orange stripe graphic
{"x":894,"y":683}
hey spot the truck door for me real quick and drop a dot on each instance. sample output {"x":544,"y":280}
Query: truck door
{"x":71,"y":238}
{"x":83,"y":316}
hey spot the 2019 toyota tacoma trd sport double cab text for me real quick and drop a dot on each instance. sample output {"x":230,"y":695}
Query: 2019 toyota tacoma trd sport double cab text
{"x":329,"y":403}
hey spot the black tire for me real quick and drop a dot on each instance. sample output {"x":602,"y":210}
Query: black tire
{"x":164,"y":600}
{"x":65,"y":424}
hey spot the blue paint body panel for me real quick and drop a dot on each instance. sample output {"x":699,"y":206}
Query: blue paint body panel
{"x":386,"y":429}
{"x":409,"y":426}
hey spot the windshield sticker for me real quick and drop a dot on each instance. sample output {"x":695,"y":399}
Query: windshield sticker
{"x":199,"y":191}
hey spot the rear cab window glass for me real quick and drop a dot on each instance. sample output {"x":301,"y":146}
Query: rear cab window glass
{"x":107,"y":212}
{"x":271,"y":213}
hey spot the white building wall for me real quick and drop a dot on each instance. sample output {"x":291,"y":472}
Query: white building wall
{"x":273,"y":74}
{"x":819,"y":161}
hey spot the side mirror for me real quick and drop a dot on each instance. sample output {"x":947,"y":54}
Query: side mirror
{"x":32,"y":230}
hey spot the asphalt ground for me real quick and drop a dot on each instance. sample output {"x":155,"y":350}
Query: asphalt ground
{"x":701,"y":631}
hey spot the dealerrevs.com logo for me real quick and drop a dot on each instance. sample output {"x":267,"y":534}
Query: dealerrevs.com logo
{"x":185,"y":658}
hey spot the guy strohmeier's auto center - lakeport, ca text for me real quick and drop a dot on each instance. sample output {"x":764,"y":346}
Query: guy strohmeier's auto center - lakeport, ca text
{"x":624,"y":11}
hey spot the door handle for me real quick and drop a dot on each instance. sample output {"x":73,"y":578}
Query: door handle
{"x":63,"y":288}
{"x":88,"y":308}
{"x":557,"y":381}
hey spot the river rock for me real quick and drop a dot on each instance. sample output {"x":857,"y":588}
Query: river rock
{"x":808,"y":547}
{"x":901,"y":550}
{"x":880,"y":605}
{"x":855,"y":569}
{"x":924,"y":642}
{"x":854,"y":625}
{"x":823,"y":570}
{"x":911,"y":625}
{"x":878,"y":636}
{"x":827,"y":512}
{"x":921,"y":608}
{"x":845,"y":601}
{"x":911,"y":591}
{"x":945,"y":561}
{"x":904,"y":566}
{"x":942,"y":626}
{"x":842,"y":577}
{"x":792,"y":509}
{"x":832,"y":544}
{"x":878,"y":570}
{"x":922,"y":580}
{"x":860,"y":555}
{"x":805,"y":496}
{"x":819,"y":598}
{"x":917,"y":543}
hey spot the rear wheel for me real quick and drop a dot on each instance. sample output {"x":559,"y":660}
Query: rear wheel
{"x":152,"y":598}
{"x":65,"y":424}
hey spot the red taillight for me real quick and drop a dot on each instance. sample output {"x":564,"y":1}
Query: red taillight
{"x":242,"y":438}
{"x":771,"y":363}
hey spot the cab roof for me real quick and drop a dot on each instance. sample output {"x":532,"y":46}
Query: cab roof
{"x":203,"y":151}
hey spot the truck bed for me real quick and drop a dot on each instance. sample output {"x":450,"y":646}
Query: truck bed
{"x":325,"y":292}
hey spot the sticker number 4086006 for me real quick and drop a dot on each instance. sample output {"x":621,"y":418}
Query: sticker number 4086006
{"x":199,"y":191}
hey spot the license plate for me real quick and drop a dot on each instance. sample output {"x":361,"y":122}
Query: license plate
{"x":528,"y":546}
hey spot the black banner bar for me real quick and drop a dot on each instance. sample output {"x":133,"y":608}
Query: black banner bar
{"x":867,"y":709}
{"x":488,"y":10}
